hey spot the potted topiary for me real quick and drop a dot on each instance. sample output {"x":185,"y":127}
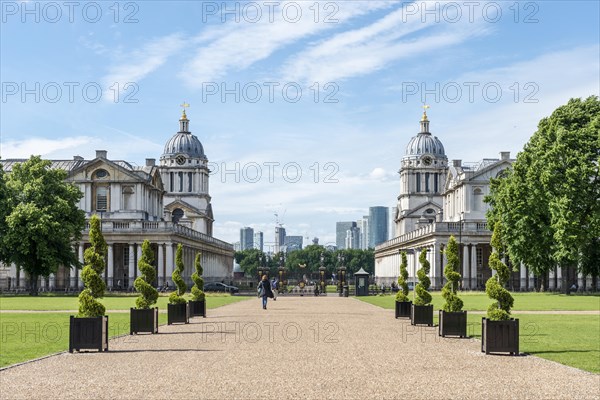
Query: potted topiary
{"x":89,"y":330}
{"x":499,"y":332}
{"x":144,"y":318}
{"x":177,"y":309}
{"x":198,"y":303}
{"x":453,"y":321}
{"x":422,"y":310}
{"x":403,"y":305}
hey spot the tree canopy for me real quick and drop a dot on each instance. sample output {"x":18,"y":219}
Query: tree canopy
{"x":549,"y":203}
{"x":42,"y":219}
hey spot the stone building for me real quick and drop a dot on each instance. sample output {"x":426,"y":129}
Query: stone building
{"x":168,"y":204}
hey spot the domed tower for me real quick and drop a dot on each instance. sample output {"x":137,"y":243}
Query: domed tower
{"x":422,"y":180}
{"x":184,"y":172}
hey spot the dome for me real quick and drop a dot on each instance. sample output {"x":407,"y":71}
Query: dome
{"x":425,"y":143}
{"x":184,"y":143}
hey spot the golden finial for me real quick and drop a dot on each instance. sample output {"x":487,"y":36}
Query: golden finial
{"x":184,"y":105}
{"x":425,"y":107}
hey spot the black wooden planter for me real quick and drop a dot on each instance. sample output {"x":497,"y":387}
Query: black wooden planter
{"x":88,"y":333}
{"x":403,"y":309}
{"x":453,"y":323}
{"x":421,"y":315}
{"x":143,"y":320}
{"x":178,"y":313}
{"x":500,"y":336}
{"x":197,"y":308}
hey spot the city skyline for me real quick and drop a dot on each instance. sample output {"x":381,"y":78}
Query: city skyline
{"x":364,"y":70}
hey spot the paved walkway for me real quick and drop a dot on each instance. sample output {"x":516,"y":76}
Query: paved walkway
{"x":301,"y":347}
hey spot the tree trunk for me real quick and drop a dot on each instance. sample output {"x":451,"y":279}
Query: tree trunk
{"x":33,"y":288}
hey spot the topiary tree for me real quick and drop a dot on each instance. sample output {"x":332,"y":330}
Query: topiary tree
{"x":453,"y":302}
{"x":423,"y":297}
{"x":144,"y":283}
{"x":197,"y":289}
{"x":494,"y":287}
{"x":177,"y":296}
{"x":91,"y":274}
{"x":402,"y":294}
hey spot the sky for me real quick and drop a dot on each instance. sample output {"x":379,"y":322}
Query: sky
{"x":304,"y":108}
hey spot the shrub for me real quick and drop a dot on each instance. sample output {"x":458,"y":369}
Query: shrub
{"x":177,"y":296}
{"x":144,"y":283}
{"x":402,"y":294}
{"x":494,"y":287}
{"x":423,"y":297}
{"x":198,"y":288}
{"x":453,"y":302}
{"x":92,"y":273}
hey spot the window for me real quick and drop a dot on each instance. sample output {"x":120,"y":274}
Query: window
{"x":479,"y":254}
{"x":128,"y":198}
{"x":477,"y":199}
{"x":101,"y":174}
{"x":418,"y":176}
{"x":435,"y":183}
{"x":177,"y":215}
{"x":101,"y":198}
{"x":189,"y":182}
{"x":427,"y":182}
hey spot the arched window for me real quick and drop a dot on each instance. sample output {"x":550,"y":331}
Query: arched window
{"x":177,"y":215}
{"x":101,"y":198}
{"x":128,"y":198}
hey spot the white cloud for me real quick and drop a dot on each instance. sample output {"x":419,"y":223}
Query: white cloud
{"x":41,"y":146}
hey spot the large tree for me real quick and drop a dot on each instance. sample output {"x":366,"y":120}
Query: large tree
{"x":549,"y":203}
{"x":43,"y":220}
{"x":4,"y":211}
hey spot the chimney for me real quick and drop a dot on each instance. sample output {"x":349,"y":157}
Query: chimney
{"x":456,"y":163}
{"x":505,"y":155}
{"x":150,"y":162}
{"x":77,"y":158}
{"x":101,"y":153}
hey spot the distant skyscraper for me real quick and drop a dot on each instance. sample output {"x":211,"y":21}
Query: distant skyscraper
{"x":378,"y":225}
{"x":352,"y":238}
{"x":259,"y":241}
{"x":293,"y":243}
{"x":363,"y":225}
{"x":247,"y":238}
{"x":237,"y":246}
{"x":340,"y":233}
{"x":279,"y":238}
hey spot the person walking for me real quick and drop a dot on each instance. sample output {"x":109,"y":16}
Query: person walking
{"x":265,"y":291}
{"x":274,"y":289}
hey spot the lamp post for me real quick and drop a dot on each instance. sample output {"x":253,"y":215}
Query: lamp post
{"x":342,"y":276}
{"x":322,"y":272}
{"x":282,"y":283}
{"x":259,"y":268}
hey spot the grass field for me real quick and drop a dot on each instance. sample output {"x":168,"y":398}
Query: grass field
{"x":572,"y":340}
{"x":479,"y":301}
{"x":123,"y":302}
{"x":25,"y":336}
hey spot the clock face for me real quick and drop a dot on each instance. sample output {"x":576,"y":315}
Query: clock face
{"x":427,"y":160}
{"x":180,"y":160}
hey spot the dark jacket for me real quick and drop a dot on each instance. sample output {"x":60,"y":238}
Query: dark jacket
{"x":266,"y":287}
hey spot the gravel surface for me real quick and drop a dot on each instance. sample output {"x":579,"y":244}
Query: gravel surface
{"x":300,"y":348}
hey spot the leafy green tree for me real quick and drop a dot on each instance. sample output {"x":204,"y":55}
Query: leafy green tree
{"x":423,"y":297}
{"x":144,"y":283}
{"x":92,"y":273}
{"x":494,"y":287}
{"x":548,"y":204}
{"x":42,"y":220}
{"x":177,"y":296}
{"x":402,"y":294}
{"x":250,"y":260}
{"x":198,"y":288}
{"x":4,"y":211}
{"x":453,"y":303}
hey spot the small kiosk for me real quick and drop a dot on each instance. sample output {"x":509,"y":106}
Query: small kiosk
{"x":361,"y":281}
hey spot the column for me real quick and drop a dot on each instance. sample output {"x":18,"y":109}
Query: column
{"x":465,"y":266}
{"x":589,"y":282}
{"x":169,"y":264}
{"x":111,"y":267}
{"x":139,"y":257}
{"x":42,"y":282}
{"x":551,"y":277}
{"x":435,"y":267}
{"x":52,"y":282}
{"x":531,"y":282}
{"x":442,"y":264}
{"x":558,"y":278}
{"x":474,"y":266}
{"x":131,"y":266}
{"x":579,"y":282}
{"x":12,"y":274}
{"x":523,"y":278}
{"x":80,"y":257}
{"x":161,"y":265}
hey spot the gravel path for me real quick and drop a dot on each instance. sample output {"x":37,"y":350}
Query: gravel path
{"x":301,"y":347}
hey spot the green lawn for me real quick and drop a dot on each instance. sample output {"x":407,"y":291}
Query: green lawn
{"x":25,"y":336}
{"x":572,"y":340}
{"x":479,"y":301}
{"x":123,"y":302}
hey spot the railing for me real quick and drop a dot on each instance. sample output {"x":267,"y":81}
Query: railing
{"x":437,"y":227}
{"x":157,"y":227}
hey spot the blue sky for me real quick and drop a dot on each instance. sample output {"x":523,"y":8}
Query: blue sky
{"x":364,"y":70}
